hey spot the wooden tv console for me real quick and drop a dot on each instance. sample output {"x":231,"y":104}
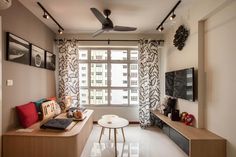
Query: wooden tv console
{"x":193,"y":141}
{"x":48,"y":143}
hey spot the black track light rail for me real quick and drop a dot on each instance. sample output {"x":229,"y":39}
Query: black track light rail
{"x":42,"y":7}
{"x":172,"y":10}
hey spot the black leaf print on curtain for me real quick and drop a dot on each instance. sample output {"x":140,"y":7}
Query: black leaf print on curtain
{"x":149,"y":81}
{"x":68,"y":71}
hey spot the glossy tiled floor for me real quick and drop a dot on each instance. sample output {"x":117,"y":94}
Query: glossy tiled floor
{"x":150,"y":142}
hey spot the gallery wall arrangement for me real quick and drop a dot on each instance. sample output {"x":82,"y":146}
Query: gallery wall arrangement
{"x":24,"y":52}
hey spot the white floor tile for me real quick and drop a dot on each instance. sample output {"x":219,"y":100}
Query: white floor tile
{"x":149,"y":142}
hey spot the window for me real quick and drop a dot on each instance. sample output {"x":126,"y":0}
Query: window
{"x":98,"y":81}
{"x":134,"y":91}
{"x":134,"y":55}
{"x":98,"y":73}
{"x":118,"y":54}
{"x":108,"y":76}
{"x":83,"y":54}
{"x":133,"y":66}
{"x":133,"y":82}
{"x":99,"y":97}
{"x":133,"y":74}
{"x":98,"y":66}
{"x":134,"y":98}
{"x":125,"y":82}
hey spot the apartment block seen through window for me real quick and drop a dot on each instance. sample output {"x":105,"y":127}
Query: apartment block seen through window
{"x":108,"y":76}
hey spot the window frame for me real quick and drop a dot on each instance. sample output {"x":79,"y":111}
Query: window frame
{"x":108,"y":87}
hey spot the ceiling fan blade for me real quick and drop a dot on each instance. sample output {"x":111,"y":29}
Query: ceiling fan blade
{"x":123,"y":28}
{"x":99,"y":15}
{"x":98,"y":32}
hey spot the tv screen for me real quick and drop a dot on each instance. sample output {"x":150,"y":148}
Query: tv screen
{"x":169,"y":83}
{"x":180,"y":84}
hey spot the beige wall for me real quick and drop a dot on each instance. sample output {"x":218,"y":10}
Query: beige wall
{"x":220,"y":55}
{"x":30,"y":83}
{"x":0,"y":86}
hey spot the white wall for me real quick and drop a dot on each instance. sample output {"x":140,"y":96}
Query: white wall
{"x":172,"y":59}
{"x":220,"y":63}
{"x":175,"y":60}
{"x":213,"y":53}
{"x":131,"y":113}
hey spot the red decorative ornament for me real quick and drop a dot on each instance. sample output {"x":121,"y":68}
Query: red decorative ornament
{"x":189,"y":120}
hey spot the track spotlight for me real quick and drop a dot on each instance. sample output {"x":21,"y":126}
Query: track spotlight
{"x":45,"y":16}
{"x":60,"y":31}
{"x":172,"y":16}
{"x":161,"y":29}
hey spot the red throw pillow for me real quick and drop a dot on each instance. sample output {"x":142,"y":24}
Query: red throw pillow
{"x":27,"y":114}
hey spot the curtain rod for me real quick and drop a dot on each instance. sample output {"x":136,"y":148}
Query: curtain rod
{"x":108,"y":40}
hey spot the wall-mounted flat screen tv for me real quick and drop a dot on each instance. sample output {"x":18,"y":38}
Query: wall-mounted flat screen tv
{"x":180,"y":84}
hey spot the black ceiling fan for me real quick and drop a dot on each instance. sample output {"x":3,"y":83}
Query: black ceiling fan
{"x":107,"y":24}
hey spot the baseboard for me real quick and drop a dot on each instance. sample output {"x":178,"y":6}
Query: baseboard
{"x":134,"y":122}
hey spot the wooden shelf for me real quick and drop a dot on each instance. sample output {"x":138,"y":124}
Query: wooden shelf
{"x":48,"y":143}
{"x":187,"y":131}
{"x":50,"y":132}
{"x":202,"y":143}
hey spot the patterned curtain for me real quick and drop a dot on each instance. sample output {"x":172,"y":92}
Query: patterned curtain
{"x":149,"y":82}
{"x":68,"y":71}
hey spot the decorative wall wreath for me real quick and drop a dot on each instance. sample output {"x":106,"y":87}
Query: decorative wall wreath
{"x":180,"y":37}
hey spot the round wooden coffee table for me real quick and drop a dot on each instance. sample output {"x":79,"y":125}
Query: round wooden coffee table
{"x":113,"y":123}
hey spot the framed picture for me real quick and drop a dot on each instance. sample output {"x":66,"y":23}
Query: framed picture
{"x":18,"y":49}
{"x":50,"y":61}
{"x":37,"y":57}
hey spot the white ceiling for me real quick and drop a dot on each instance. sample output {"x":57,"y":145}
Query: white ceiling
{"x":75,"y":15}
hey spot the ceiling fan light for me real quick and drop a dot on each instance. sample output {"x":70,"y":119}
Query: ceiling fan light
{"x":161,"y":29}
{"x":172,"y":16}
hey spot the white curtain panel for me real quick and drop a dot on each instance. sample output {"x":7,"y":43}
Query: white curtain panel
{"x":68,"y":71}
{"x":149,"y":82}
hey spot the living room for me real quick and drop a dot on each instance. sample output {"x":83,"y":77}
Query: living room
{"x":208,"y":49}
